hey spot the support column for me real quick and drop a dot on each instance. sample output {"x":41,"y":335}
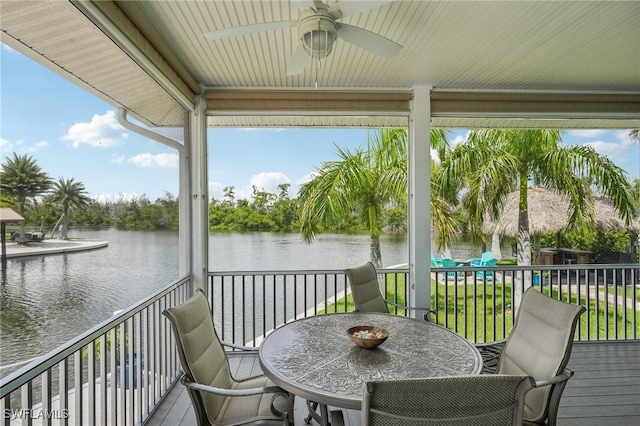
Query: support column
{"x":184,"y":202}
{"x":198,"y":195}
{"x":420,"y":197}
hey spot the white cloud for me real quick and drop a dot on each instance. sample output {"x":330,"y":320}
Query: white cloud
{"x":458,"y":140}
{"x":166,"y":161}
{"x":587,"y":133}
{"x":39,"y":146}
{"x":103,"y":131}
{"x":5,"y":145}
{"x":615,"y":151}
{"x":269,"y":181}
{"x":118,"y":159}
{"x":216,"y":190}
{"x":623,"y":137}
{"x":307,"y":178}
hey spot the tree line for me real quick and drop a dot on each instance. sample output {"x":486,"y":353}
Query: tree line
{"x":366,"y":190}
{"x":45,"y":203}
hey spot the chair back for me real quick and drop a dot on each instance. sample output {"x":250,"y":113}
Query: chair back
{"x":448,"y":263}
{"x":490,"y":262}
{"x":435,"y":263}
{"x":202,"y":356}
{"x":540,"y":346}
{"x":460,"y":400}
{"x":363,"y":281}
{"x":486,"y":257}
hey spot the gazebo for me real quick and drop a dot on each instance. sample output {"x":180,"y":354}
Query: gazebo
{"x":548,"y":211}
{"x":7,"y":215}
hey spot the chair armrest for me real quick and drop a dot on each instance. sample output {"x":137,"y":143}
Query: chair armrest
{"x":562,"y":377}
{"x":232,"y":392}
{"x":414,"y":308}
{"x":240,"y":347}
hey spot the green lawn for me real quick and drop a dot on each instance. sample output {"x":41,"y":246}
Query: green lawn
{"x":455,"y":307}
{"x":629,"y":292}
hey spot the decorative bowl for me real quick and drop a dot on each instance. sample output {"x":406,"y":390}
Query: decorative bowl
{"x":367,"y":336}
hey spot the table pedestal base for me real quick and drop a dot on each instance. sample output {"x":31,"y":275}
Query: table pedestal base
{"x":322,"y":417}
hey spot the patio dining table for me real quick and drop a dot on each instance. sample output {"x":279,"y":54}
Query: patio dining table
{"x":314,"y":358}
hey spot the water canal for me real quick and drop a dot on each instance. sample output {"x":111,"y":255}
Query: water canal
{"x":47,"y":300}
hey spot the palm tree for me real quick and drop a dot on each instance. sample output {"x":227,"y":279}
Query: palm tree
{"x":363,"y":182}
{"x":22,"y":179}
{"x":69,"y":194}
{"x":494,"y":162}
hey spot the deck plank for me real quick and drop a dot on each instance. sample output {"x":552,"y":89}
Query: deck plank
{"x":605,"y":389}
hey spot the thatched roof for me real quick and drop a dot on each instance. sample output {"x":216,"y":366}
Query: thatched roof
{"x":549,"y":212}
{"x":607,"y":218}
{"x":8,"y":216}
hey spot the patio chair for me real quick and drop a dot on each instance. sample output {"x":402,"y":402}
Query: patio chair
{"x":218,"y":398}
{"x":539,"y":345}
{"x":451,"y":275}
{"x":486,"y":261}
{"x":485,"y":257}
{"x":435,"y":262}
{"x":366,"y":294}
{"x":459,"y":400}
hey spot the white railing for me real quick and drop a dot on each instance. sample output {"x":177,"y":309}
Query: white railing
{"x":114,"y":374}
{"x":92,"y":381}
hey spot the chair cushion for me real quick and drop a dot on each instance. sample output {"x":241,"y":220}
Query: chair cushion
{"x":206,"y":361}
{"x":246,"y":409}
{"x":364,"y":289}
{"x":539,"y":345}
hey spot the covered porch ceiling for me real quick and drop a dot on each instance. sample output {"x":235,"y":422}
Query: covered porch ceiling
{"x":526,"y":64}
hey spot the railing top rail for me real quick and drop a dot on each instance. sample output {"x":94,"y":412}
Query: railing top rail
{"x":32,"y":370}
{"x":297,"y":272}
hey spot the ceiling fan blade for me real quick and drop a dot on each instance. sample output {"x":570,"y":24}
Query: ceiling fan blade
{"x":307,"y":3}
{"x":367,"y":40}
{"x":249,"y":29}
{"x":298,"y":61}
{"x":352,"y":7}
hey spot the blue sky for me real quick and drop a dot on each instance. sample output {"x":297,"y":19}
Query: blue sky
{"x":71,"y":133}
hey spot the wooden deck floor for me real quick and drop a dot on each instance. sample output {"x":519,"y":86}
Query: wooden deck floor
{"x":604,"y":391}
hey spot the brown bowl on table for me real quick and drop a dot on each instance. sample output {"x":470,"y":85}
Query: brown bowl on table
{"x":367,"y":336}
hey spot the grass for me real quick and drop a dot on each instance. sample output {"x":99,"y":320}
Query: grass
{"x":455,"y":305}
{"x":628,"y":290}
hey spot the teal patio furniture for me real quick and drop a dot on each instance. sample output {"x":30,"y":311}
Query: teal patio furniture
{"x":435,"y":262}
{"x":450,"y":263}
{"x":486,"y":260}
{"x":487,"y":256}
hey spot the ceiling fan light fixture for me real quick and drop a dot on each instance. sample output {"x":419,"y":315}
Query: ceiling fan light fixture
{"x":317,"y":34}
{"x":318,"y":44}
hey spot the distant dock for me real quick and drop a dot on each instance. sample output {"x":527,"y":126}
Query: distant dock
{"x":45,"y":247}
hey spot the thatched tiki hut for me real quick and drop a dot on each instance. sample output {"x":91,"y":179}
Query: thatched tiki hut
{"x":549,"y":212}
{"x":6,"y":216}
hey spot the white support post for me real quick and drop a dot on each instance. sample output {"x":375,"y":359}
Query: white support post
{"x":420,"y":197}
{"x":199,"y":197}
{"x":184,"y":203}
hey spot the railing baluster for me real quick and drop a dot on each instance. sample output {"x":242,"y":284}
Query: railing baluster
{"x":78,"y":382}
{"x":46,"y":396}
{"x":63,"y":381}
{"x":27,"y":402}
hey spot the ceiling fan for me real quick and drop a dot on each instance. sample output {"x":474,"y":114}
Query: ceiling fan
{"x":318,"y":29}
